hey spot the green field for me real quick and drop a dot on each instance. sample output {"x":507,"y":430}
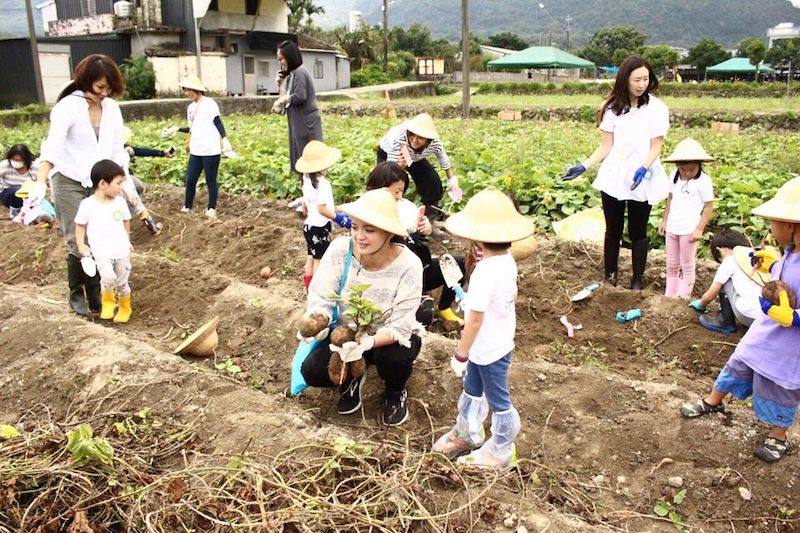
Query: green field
{"x":522,"y":157}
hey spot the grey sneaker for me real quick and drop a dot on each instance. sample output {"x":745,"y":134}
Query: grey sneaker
{"x":772,"y":450}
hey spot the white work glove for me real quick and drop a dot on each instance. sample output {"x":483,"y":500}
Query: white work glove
{"x":459,"y":367}
{"x":36,"y":193}
{"x":89,"y":266}
{"x":321,"y":336}
{"x":352,"y":350}
{"x":169,"y":131}
{"x":279,"y":105}
{"x":453,"y":190}
{"x":227,"y":149}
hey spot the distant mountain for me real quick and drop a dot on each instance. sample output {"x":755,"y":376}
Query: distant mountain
{"x":674,"y":22}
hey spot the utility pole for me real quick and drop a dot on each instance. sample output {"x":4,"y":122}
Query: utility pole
{"x":567,"y":20}
{"x":465,"y":58}
{"x":37,"y":71}
{"x":385,"y":34}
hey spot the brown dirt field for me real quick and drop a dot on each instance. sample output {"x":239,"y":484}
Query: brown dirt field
{"x":601,"y":429}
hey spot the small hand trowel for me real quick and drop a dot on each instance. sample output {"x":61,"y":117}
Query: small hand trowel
{"x":585,"y":292}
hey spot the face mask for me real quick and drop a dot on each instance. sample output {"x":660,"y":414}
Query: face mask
{"x":16,"y":164}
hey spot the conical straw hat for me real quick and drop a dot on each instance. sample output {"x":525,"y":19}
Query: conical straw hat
{"x":317,"y":156}
{"x":377,"y":208}
{"x":490,"y":216}
{"x":422,"y":125}
{"x":202,"y":342}
{"x":126,"y":134}
{"x":741,"y":254}
{"x":785,"y":205}
{"x":194,"y":83}
{"x":688,"y":150}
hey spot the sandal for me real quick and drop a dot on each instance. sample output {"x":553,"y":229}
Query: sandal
{"x":698,"y":408}
{"x":772,"y":450}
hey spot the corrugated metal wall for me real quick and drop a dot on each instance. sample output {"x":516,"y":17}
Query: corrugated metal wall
{"x":178,"y":13}
{"x":69,"y":9}
{"x":19,"y":86}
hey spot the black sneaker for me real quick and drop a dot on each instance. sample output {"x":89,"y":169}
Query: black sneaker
{"x":395,"y":411}
{"x":350,"y":396}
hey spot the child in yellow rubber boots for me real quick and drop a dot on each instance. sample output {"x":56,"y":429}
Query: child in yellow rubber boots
{"x":104,"y":220}
{"x":765,"y":364}
{"x":492,"y":223}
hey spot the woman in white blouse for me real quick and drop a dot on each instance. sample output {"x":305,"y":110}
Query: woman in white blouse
{"x":85,"y":127}
{"x":634,"y":124}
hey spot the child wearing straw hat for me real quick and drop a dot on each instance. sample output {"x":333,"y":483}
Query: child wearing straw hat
{"x":206,"y":133}
{"x":409,"y":144}
{"x":765,"y":364}
{"x":317,"y":203}
{"x":688,"y":210}
{"x":484,"y":349}
{"x":393,"y":276}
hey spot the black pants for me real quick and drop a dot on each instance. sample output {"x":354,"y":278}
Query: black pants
{"x":432,"y":278}
{"x":394,"y":364}
{"x":197,"y":164}
{"x":614,"y":212}
{"x":426,"y":179}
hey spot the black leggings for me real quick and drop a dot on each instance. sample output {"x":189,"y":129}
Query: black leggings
{"x":614,"y":212}
{"x":394,"y":364}
{"x":426,"y":179}
{"x":197,"y":164}
{"x":432,"y":278}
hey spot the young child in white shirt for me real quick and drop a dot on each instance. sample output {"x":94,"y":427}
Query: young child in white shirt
{"x":689,"y":207}
{"x":317,"y":203}
{"x":103,"y":220}
{"x":484,"y":350}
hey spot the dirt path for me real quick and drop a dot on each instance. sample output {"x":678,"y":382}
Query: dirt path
{"x":602,"y":438}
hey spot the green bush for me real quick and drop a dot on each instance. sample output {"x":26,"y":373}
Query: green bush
{"x":442,"y":89}
{"x":140,"y":79}
{"x":401,"y":65}
{"x":369,"y":75}
{"x":725,"y":89}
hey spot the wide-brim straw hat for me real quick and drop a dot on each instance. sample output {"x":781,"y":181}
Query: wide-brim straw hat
{"x":688,"y":150}
{"x":126,"y":134}
{"x":202,"y":342}
{"x":490,"y":216}
{"x":317,"y":156}
{"x":785,"y":205}
{"x":377,"y":208}
{"x":422,"y":125}
{"x":194,"y":83}
{"x":741,"y":254}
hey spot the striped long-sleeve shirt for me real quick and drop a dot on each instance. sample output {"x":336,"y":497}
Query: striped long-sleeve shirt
{"x":395,"y":138}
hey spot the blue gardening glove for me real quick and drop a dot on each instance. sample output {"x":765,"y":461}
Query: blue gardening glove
{"x":573,"y":172}
{"x":343,"y":220}
{"x":697,"y":306}
{"x":626,"y":316}
{"x":782,"y":313}
{"x":638,"y":176}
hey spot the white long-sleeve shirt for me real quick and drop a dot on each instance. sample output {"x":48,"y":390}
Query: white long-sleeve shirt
{"x":72,"y":146}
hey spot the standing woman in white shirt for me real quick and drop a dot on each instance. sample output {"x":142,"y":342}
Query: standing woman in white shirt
{"x":206,"y":131}
{"x":85,"y":127}
{"x":634,"y":124}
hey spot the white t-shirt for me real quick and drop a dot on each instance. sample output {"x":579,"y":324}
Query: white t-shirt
{"x":205,"y":139}
{"x":748,"y":290}
{"x":686,"y":206}
{"x":105,"y":230}
{"x":313,"y":198}
{"x":633,"y":132}
{"x":493,"y":291}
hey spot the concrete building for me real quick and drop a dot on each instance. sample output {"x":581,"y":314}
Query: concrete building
{"x":784,"y":30}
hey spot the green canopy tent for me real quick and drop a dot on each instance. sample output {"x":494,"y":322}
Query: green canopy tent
{"x":539,"y":57}
{"x":738,"y":65}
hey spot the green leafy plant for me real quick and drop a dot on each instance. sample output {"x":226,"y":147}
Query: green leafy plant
{"x":361,"y":311}
{"x":84,"y":446}
{"x":229,"y":366}
{"x":668,"y":509}
{"x":140,"y":79}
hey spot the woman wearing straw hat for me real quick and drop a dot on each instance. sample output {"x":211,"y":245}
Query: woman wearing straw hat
{"x":298,"y":99}
{"x":318,"y":203}
{"x":409,"y":144}
{"x":85,"y":127}
{"x":393,"y":276}
{"x":491,"y":221}
{"x":689,"y":207}
{"x":765,"y":364}
{"x":206,"y":132}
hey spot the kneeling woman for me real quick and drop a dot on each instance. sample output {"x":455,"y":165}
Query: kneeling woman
{"x":393,"y":275}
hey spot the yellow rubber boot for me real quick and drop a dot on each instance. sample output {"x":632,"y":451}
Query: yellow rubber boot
{"x":449,"y":316}
{"x":108,"y":303}
{"x":124,"y":311}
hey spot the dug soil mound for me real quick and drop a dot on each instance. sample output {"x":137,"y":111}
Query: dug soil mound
{"x":215,"y":445}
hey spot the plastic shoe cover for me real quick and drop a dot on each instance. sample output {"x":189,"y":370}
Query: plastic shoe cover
{"x":472,"y":413}
{"x":452,"y":444}
{"x":488,"y":457}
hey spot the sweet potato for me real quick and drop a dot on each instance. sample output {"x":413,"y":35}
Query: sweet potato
{"x":341,"y":335}
{"x":772,"y":289}
{"x":355,"y":369}
{"x":311,"y":325}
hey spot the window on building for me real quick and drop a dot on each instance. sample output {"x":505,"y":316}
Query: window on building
{"x":263,"y":69}
{"x":234,"y":49}
{"x":319,"y":72}
{"x":251,"y":7}
{"x":249,"y":65}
